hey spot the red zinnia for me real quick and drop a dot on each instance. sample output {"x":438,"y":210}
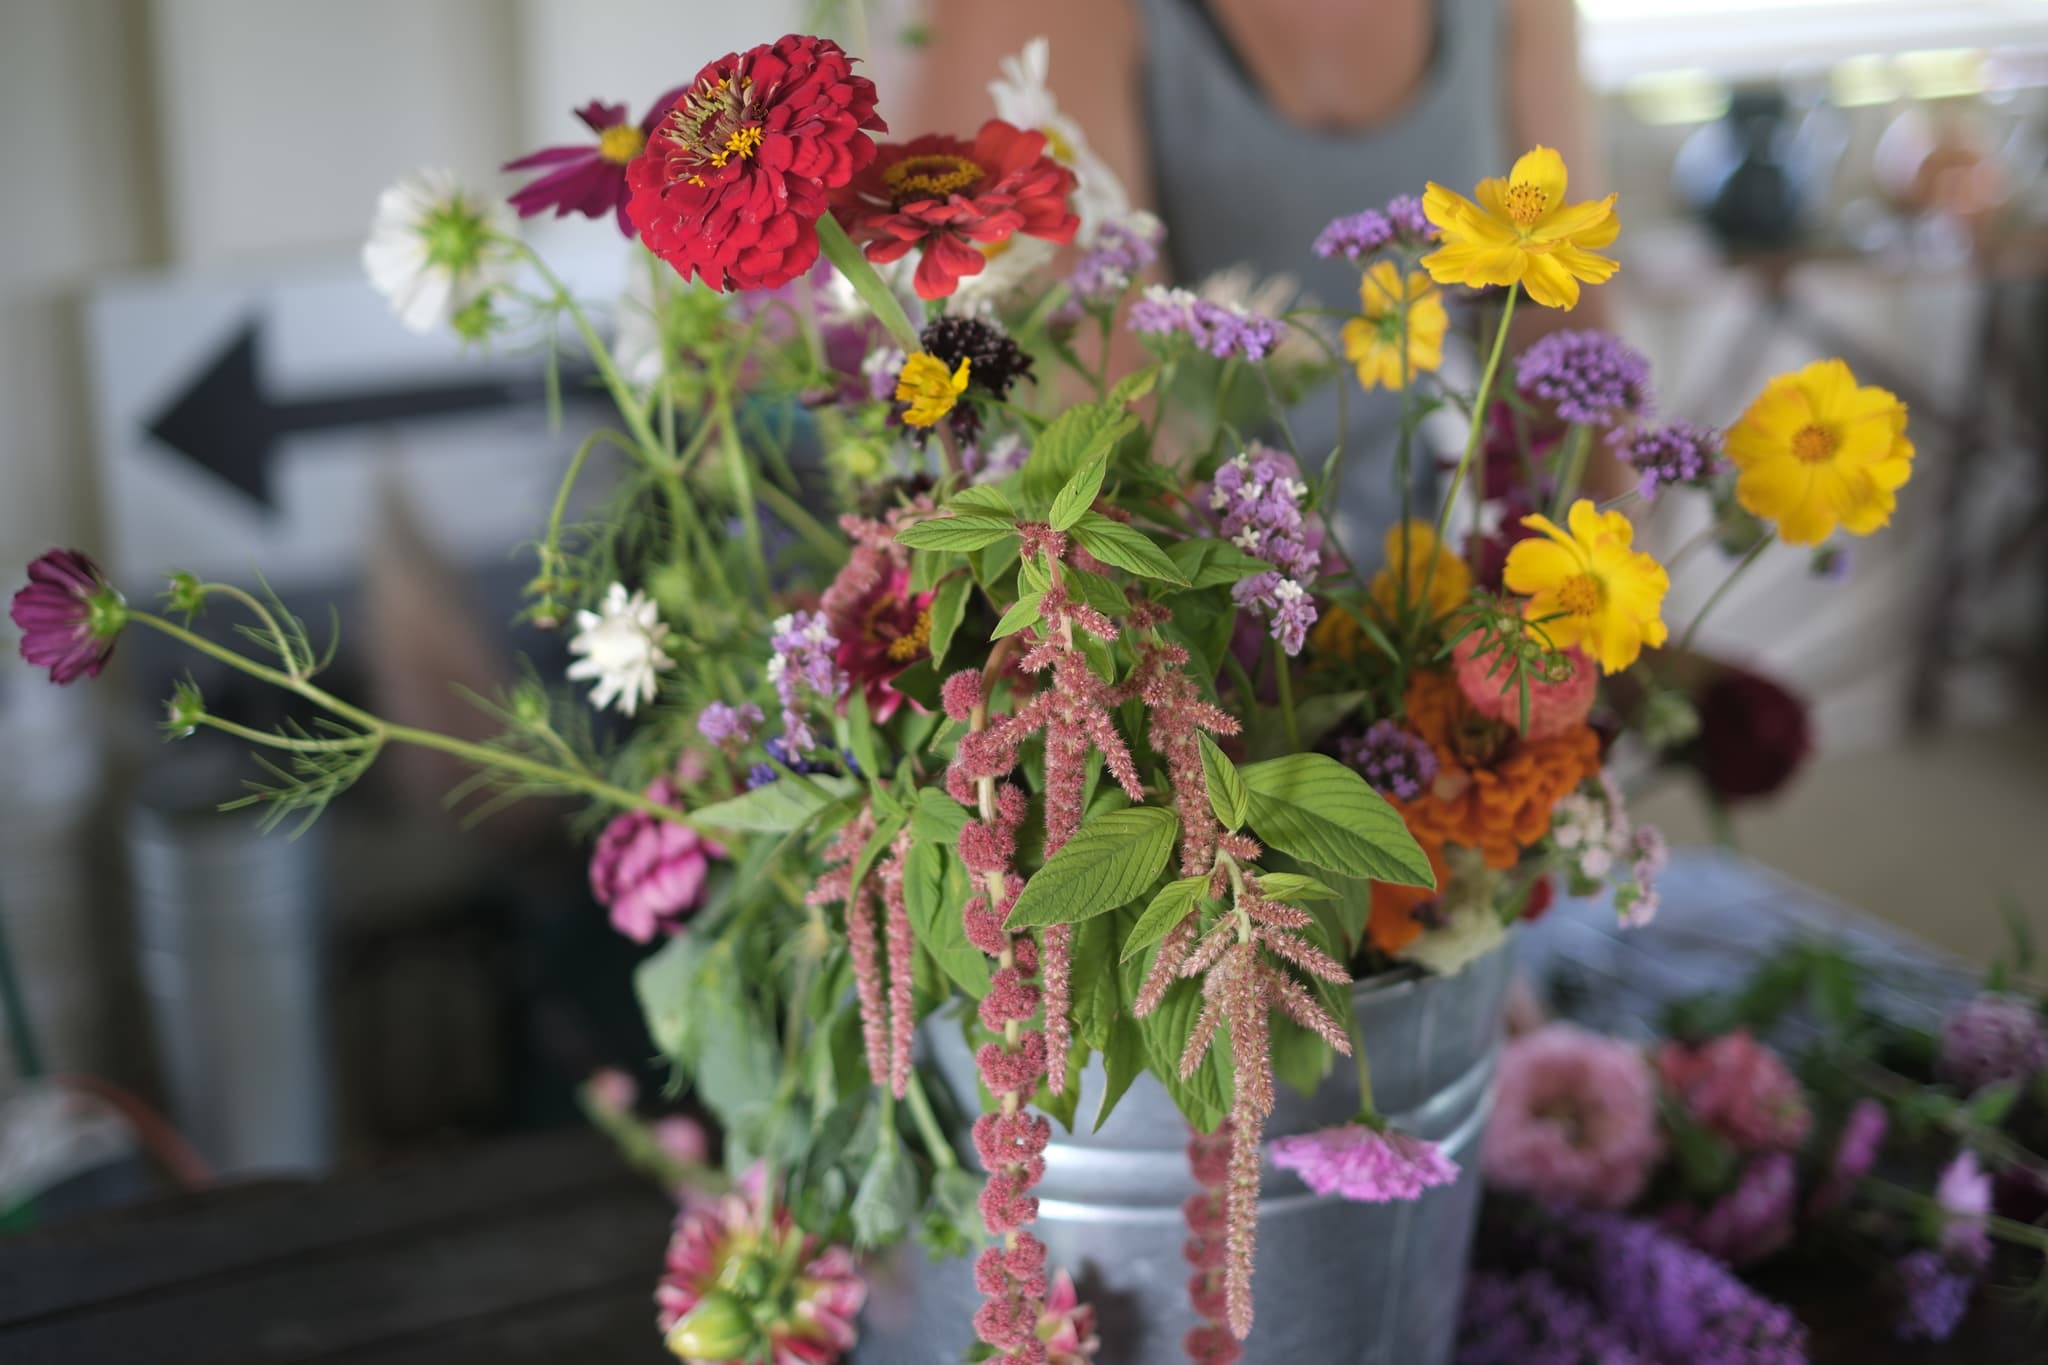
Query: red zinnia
{"x":942,"y":194}
{"x":589,"y":178}
{"x":734,"y":176}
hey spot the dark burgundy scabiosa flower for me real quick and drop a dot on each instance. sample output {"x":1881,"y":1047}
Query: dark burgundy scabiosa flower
{"x":736,"y":172}
{"x":69,"y":616}
{"x":589,"y":178}
{"x":994,"y":363}
{"x":941,"y":195}
{"x":1753,"y":735}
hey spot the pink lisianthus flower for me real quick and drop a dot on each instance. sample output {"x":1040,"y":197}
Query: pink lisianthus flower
{"x":1964,"y":1193}
{"x":1574,"y":1119}
{"x":1490,"y":686}
{"x":1365,"y":1164}
{"x":1736,"y":1088}
{"x":769,"y":1293}
{"x":1066,"y":1325}
{"x":589,"y":177}
{"x":1855,"y":1153}
{"x":650,"y":872}
{"x":1749,"y":1223}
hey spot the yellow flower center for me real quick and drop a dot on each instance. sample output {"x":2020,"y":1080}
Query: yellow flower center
{"x":1061,"y":149}
{"x":904,"y":648}
{"x":1579,"y":594}
{"x":1813,"y":444}
{"x":1527,"y":203}
{"x":714,"y":123}
{"x":620,"y":143}
{"x":929,"y":390}
{"x":929,"y":177}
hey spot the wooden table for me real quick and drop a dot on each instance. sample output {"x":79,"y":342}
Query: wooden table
{"x":546,"y":1250}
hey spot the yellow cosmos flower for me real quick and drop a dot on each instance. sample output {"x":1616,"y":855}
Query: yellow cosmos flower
{"x":1522,"y":231}
{"x":1816,"y":451}
{"x":1606,"y":597}
{"x":1374,"y":343}
{"x":929,"y":389}
{"x":1449,"y":585}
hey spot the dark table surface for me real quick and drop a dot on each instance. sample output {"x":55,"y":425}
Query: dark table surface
{"x":546,"y":1249}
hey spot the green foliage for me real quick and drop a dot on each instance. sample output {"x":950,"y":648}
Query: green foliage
{"x":777,"y":807}
{"x":703,"y":1019}
{"x":960,"y":531}
{"x":1311,"y":807}
{"x":1228,"y":796}
{"x":1079,"y":493}
{"x":1205,"y":562}
{"x":1075,"y":438}
{"x":1128,"y":549}
{"x":1109,"y":862}
{"x":1168,"y":908}
{"x":934,"y":889}
{"x":949,"y":607}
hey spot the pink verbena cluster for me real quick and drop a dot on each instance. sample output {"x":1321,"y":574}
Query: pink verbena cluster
{"x":1208,"y":1248}
{"x":887,"y":1013}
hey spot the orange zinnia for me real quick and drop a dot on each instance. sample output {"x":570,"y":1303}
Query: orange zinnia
{"x":1492,"y":791}
{"x":1394,"y":924}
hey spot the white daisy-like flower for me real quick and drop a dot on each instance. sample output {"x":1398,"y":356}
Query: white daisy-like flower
{"x":1011,"y":264}
{"x":435,"y":248}
{"x":1023,"y":98}
{"x":621,"y":645}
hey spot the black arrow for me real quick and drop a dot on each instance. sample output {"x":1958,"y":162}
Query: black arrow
{"x":224,"y":424}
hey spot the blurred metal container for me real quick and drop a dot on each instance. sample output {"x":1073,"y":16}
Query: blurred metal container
{"x":232,"y":953}
{"x":1338,"y":1283}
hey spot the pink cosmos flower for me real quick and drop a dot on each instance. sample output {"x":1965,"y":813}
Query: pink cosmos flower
{"x":1574,"y":1119}
{"x":1357,"y":1162}
{"x":589,"y":177}
{"x":69,"y":616}
{"x":775,"y":1287}
{"x":1737,"y":1088}
{"x":650,"y":872}
{"x":1964,"y":1193}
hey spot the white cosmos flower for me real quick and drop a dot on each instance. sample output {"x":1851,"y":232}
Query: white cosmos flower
{"x":435,"y":248}
{"x":1022,"y":98}
{"x":621,"y":645}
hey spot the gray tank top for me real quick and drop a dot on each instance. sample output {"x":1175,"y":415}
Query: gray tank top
{"x":1237,"y":182}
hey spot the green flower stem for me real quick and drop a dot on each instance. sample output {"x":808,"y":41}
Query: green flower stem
{"x":1291,"y":726}
{"x":847,"y":259}
{"x":1368,"y":1112}
{"x":628,"y":403}
{"x":1577,"y":443}
{"x":1480,"y":398}
{"x":743,"y":485}
{"x":799,"y":519}
{"x":928,"y":1130}
{"x":383,"y":731}
{"x":262,"y":613}
{"x":331,"y":744}
{"x":2005,"y":1229}
{"x":1755,"y":553}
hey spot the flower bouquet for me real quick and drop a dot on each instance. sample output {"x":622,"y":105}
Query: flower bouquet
{"x":946,"y":684}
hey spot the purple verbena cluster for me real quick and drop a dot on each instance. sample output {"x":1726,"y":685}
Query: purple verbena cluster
{"x":1221,"y":329}
{"x":1676,"y":453}
{"x":1590,"y":377}
{"x":1394,"y":761}
{"x":1123,"y":248}
{"x":1257,"y":499}
{"x":1531,"y":1319}
{"x":803,"y":662}
{"x":1358,"y":235}
{"x":729,"y":727}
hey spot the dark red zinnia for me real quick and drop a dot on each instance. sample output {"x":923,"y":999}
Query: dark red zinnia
{"x":589,"y":178}
{"x":735,"y":174}
{"x":941,"y":194}
{"x":69,"y":616}
{"x":1754,"y":734}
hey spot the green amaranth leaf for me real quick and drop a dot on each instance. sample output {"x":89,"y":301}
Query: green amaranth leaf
{"x":1313,"y":808}
{"x":1110,"y":861}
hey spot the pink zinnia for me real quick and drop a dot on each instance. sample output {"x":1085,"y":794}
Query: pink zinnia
{"x":589,"y":177}
{"x":1737,"y":1088}
{"x":650,"y":872}
{"x":69,"y":616}
{"x":1489,"y":684}
{"x":1574,"y":1119}
{"x":1361,"y":1163}
{"x":810,"y":1295}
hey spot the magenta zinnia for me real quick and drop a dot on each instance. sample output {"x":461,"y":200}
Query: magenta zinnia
{"x":69,"y":616}
{"x":735,"y":175}
{"x":589,"y":177}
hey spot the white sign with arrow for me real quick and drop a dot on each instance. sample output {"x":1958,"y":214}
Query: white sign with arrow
{"x":256,"y":423}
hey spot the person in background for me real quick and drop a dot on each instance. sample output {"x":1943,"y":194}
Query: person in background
{"x":1247,"y":125}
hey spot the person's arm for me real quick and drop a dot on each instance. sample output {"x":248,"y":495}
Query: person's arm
{"x":1548,"y":105}
{"x":1097,"y":51}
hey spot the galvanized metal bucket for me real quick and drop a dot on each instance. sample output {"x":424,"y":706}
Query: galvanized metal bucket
{"x":1338,"y":1283}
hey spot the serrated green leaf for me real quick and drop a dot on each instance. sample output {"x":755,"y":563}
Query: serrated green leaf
{"x":1110,"y":861}
{"x":1313,"y":808}
{"x":1133,"y":386}
{"x":1077,"y":436}
{"x":1172,"y":905}
{"x":887,"y":1196}
{"x":860,"y":736}
{"x":1033,"y":576}
{"x":1211,"y":563}
{"x":935,"y":918}
{"x":887,"y":826}
{"x":929,"y":566}
{"x":1293,"y":888}
{"x":1097,"y":591}
{"x":968,"y":531}
{"x":937,"y":818}
{"x":776,"y":807}
{"x":949,"y":608}
{"x":1131,"y":550}
{"x":1079,"y":493}
{"x":1204,"y":1097}
{"x":1123,"y":1060}
{"x":983,"y":497}
{"x":1227,"y":794}
{"x":1025,"y":611}
{"x":1092,"y":985}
